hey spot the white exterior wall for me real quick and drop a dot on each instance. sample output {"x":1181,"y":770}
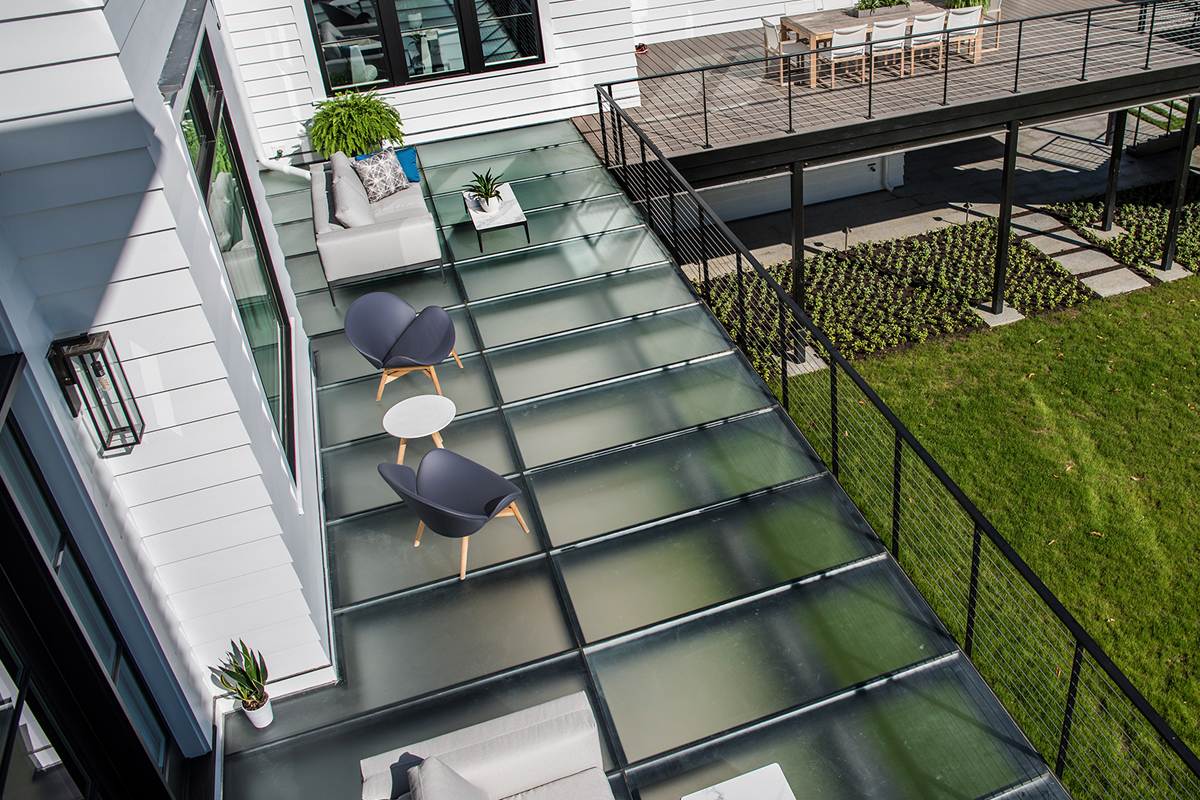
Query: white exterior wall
{"x":668,"y":20}
{"x":586,"y":41}
{"x":105,"y":221}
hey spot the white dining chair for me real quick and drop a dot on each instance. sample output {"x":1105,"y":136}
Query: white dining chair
{"x":963,"y":25}
{"x":887,"y":40}
{"x":992,"y":14}
{"x":772,"y":46}
{"x":926,"y":35}
{"x":843,"y":48}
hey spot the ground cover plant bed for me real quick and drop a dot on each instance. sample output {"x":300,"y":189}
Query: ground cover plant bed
{"x":882,"y":295}
{"x":1143,"y":213}
{"x":1078,"y":435}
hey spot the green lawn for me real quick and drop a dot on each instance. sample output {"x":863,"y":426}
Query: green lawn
{"x":1077,"y":434}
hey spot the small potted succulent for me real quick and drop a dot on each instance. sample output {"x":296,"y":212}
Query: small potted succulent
{"x":355,"y":124}
{"x":486,"y":190}
{"x":244,"y":674}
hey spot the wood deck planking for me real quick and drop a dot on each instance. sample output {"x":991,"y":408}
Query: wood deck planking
{"x":745,"y":105}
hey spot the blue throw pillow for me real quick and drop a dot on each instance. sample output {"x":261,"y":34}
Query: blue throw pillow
{"x":408,"y":162}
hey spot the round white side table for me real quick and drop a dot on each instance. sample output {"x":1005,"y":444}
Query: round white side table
{"x":423,"y":415}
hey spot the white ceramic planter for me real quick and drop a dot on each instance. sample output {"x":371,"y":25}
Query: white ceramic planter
{"x":490,"y":206}
{"x":260,"y":717}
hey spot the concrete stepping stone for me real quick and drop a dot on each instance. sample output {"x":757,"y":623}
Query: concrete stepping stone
{"x":1117,"y":282}
{"x":1085,"y":261}
{"x":1035,"y":223}
{"x":1175,"y":273}
{"x":1007,"y":316}
{"x":1054,"y":243}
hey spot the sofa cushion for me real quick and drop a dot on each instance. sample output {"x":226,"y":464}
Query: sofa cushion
{"x":350,"y":206}
{"x":517,"y":760}
{"x":341,"y":167}
{"x":400,"y":783}
{"x":591,"y":784}
{"x":433,"y":780}
{"x":381,"y":174}
{"x":400,"y":204}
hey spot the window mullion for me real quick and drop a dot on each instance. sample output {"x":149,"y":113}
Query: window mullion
{"x":472,"y":43}
{"x":393,"y":40}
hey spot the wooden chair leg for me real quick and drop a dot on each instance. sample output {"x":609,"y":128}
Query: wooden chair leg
{"x":420,"y":530}
{"x":400,"y":455}
{"x":433,"y":374}
{"x":462,"y":565}
{"x":382,"y":383}
{"x":454,"y":353}
{"x":520,"y":519}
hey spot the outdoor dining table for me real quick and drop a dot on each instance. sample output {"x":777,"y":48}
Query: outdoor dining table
{"x":817,"y":29}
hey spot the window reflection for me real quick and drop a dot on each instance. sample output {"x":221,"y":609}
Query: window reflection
{"x":431,"y":37}
{"x":508,"y":30}
{"x":351,"y":44}
{"x":35,"y":770}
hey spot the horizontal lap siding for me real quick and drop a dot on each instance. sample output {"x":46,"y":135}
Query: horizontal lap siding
{"x":669,"y":20}
{"x":590,"y":42}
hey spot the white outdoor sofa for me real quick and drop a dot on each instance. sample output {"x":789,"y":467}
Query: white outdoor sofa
{"x":548,"y":752}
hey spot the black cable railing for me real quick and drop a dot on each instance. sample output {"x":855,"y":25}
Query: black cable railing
{"x":762,"y":97}
{"x":1092,"y":727}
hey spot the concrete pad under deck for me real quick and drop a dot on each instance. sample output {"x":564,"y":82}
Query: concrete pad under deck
{"x":1084,"y":261}
{"x":1104,"y":236}
{"x":1116,"y":282}
{"x":1006,"y":317}
{"x":1175,"y":273}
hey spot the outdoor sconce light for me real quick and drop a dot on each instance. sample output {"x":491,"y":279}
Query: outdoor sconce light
{"x":87,"y":367}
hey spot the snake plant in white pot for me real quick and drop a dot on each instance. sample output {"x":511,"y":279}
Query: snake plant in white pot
{"x":243,"y":673}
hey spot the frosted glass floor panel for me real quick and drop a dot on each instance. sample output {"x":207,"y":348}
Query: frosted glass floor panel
{"x":645,"y":483}
{"x":291,"y":206}
{"x":542,"y":192}
{"x":324,"y":764}
{"x":585,"y":422}
{"x":296,"y":238}
{"x":700,"y":677}
{"x":374,"y":553}
{"x":608,"y":352}
{"x":338,"y":361}
{"x":486,"y":145}
{"x":511,"y":166}
{"x":548,"y":225}
{"x":306,"y":274}
{"x":436,"y":638}
{"x":349,"y":411}
{"x":418,"y":289}
{"x":565,"y":261}
{"x":279,"y":182}
{"x":662,"y":572}
{"x":576,"y":305}
{"x":937,"y":733}
{"x":352,"y":481}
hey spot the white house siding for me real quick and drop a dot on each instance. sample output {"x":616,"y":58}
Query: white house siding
{"x":587,"y":42}
{"x":100,"y":211}
{"x":668,"y":20}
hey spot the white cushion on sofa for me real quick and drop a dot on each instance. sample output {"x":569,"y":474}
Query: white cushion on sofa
{"x":343,"y":169}
{"x":399,"y":204}
{"x":350,"y":206}
{"x":433,"y":780}
{"x":518,"y":760}
{"x":591,"y":784}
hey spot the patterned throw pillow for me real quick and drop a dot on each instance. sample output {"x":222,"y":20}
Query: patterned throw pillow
{"x":381,"y":175}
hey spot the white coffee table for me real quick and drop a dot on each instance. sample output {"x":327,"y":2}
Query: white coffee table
{"x":767,"y":783}
{"x":423,"y":415}
{"x":509,"y":215}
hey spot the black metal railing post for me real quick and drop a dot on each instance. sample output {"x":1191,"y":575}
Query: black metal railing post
{"x":704,"y":99}
{"x":1017,"y":65}
{"x":946,"y":68}
{"x":871,"y":81}
{"x":1150,"y":34}
{"x":741,"y":303}
{"x":897,"y":464}
{"x":791,"y":128}
{"x":620,"y":142}
{"x":833,"y":419}
{"x":1087,"y":40}
{"x":973,"y":590}
{"x":603,"y":126}
{"x":1064,"y":739}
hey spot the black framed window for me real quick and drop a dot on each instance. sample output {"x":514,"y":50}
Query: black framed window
{"x":208,"y":134}
{"x":371,"y":44}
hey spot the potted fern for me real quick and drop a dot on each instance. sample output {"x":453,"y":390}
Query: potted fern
{"x":355,"y":124}
{"x":486,"y":190}
{"x":244,"y":674}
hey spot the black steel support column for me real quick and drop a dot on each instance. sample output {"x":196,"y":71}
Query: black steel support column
{"x":798,"y":233}
{"x":1181,"y":180}
{"x":1005,"y":227}
{"x":1116,"y":129}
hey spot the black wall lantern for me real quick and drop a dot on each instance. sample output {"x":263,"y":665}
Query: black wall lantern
{"x":91,"y":375}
